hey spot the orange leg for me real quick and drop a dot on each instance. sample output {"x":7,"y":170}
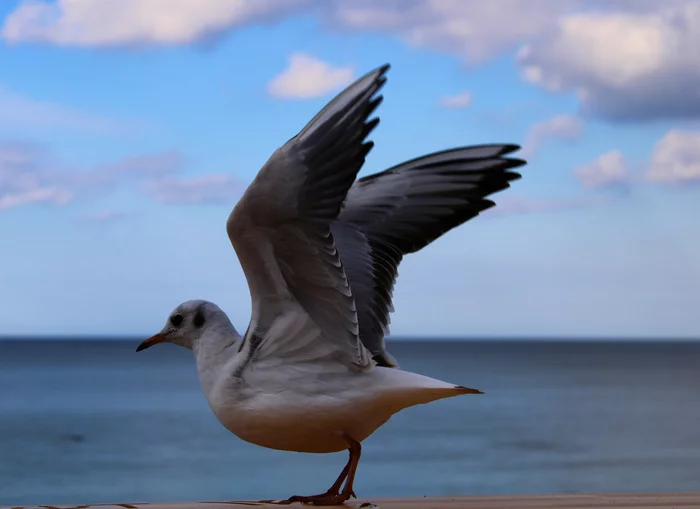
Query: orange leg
{"x":334,"y":496}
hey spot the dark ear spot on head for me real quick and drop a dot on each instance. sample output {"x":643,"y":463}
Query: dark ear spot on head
{"x":198,"y":320}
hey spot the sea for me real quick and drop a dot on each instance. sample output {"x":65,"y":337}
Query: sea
{"x":90,"y":421}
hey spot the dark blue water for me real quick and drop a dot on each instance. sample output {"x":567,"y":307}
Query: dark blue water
{"x":95,"y":422}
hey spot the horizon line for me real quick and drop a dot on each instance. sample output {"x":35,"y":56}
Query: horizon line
{"x":406,"y":338}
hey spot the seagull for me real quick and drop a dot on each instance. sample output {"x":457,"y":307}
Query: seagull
{"x":320,"y":250}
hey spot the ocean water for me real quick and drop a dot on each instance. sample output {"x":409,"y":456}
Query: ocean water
{"x":92,"y":421}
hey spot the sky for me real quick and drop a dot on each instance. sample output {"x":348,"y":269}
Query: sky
{"x":129,"y":128}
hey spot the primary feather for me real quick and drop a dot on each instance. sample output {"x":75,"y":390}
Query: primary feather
{"x":403,"y":209}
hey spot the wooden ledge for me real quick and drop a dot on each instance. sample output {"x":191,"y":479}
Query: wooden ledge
{"x":595,"y":501}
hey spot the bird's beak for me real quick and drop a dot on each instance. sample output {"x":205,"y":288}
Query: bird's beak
{"x":153,"y":340}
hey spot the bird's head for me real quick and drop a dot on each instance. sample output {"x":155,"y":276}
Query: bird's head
{"x":188,"y":323}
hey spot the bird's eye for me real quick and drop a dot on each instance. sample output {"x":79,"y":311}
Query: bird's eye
{"x":176,"y":319}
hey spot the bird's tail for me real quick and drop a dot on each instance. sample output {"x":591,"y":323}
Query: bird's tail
{"x":408,"y":389}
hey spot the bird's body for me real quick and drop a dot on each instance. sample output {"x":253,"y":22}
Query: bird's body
{"x":320,"y":251}
{"x":305,"y":406}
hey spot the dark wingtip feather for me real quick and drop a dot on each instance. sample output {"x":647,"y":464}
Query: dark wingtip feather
{"x":506,"y":148}
{"x":515,"y":162}
{"x":382,"y":69}
{"x":512,"y":175}
{"x":486,"y":204}
{"x":374,"y":104}
{"x":331,"y":144}
{"x":467,"y":390}
{"x":509,"y":148}
{"x":386,"y":360}
{"x":369,"y":126}
{"x":380,"y":73}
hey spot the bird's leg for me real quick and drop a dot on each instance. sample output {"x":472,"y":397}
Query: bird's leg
{"x":334,"y":496}
{"x":355,"y":453}
{"x":333,"y":491}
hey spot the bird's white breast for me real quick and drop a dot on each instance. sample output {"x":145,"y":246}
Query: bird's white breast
{"x":292,"y":393}
{"x":295,"y":415}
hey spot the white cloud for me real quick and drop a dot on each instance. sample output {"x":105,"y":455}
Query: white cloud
{"x":475,"y":30}
{"x":133,"y":22}
{"x":86,"y":182}
{"x":636,"y":62}
{"x":307,"y":77}
{"x":610,"y":169}
{"x":34,"y":196}
{"x":209,"y":189}
{"x":461,"y":100}
{"x":624,"y":59}
{"x":29,"y":175}
{"x":561,"y":127}
{"x":21,"y":182}
{"x":676,"y":158}
{"x":20,"y":111}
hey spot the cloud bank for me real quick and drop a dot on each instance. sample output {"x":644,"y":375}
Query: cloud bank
{"x":674,"y":161}
{"x":29,"y":175}
{"x":133,"y":22}
{"x":623,"y":65}
{"x":624,"y":60}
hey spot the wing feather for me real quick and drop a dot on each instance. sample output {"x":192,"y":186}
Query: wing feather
{"x":281,"y":229}
{"x":405,"y":208}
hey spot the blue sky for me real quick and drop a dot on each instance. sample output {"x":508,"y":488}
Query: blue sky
{"x":128,"y":129}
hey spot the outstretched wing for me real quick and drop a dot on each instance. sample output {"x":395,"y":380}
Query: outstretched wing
{"x":401,"y":210}
{"x":281,"y":232}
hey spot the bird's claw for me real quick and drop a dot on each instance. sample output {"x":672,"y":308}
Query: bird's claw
{"x":323,"y":499}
